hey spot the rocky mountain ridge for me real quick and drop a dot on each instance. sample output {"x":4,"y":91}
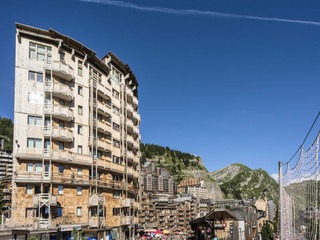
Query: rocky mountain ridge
{"x":235,"y":181}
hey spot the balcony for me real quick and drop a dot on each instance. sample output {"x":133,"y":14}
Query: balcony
{"x":96,"y":200}
{"x":104,"y":145}
{"x":82,"y":159}
{"x":104,"y":126}
{"x":27,"y":176}
{"x":133,"y":172}
{"x":126,"y":220}
{"x":136,"y":116}
{"x":111,"y":184}
{"x":71,"y":179}
{"x":107,"y":164}
{"x":59,"y":90}
{"x":60,"y":134}
{"x":135,"y":101}
{"x":97,"y":222}
{"x":58,"y":111}
{"x":44,"y":198}
{"x":61,"y":70}
{"x":30,"y":153}
{"x":129,"y":109}
{"x":127,"y":202}
{"x":103,"y":108}
{"x":61,"y":155}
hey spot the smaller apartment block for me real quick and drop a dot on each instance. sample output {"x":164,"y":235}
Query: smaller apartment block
{"x":194,"y":186}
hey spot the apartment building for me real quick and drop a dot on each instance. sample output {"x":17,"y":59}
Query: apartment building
{"x":5,"y":165}
{"x":156,"y":179}
{"x":76,"y":139}
{"x":194,"y":186}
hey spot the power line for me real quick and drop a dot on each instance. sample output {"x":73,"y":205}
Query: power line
{"x":314,"y":122}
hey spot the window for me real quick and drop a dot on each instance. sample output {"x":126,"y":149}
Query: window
{"x":115,"y":94}
{"x":60,"y":189}
{"x":79,"y":191}
{"x":35,"y":98}
{"x":33,"y":120}
{"x":116,"y":211}
{"x":62,"y":56}
{"x":80,"y":110}
{"x":116,"y":159}
{"x":79,"y":149}
{"x":115,"y":110}
{"x":35,"y":76}
{"x":39,"y":167}
{"x":37,"y":189}
{"x":40,"y":52}
{"x":116,"y":193}
{"x":79,"y":211}
{"x":80,"y":90}
{"x":79,"y":171}
{"x":116,"y":127}
{"x":61,"y":124}
{"x":116,"y":143}
{"x":80,"y":131}
{"x":62,"y":102}
{"x":34,"y":143}
{"x":79,"y":68}
{"x":29,"y":189}
{"x":29,"y":167}
{"x":61,"y":145}
{"x":29,"y":212}
{"x":61,"y":169}
{"x":116,"y":75}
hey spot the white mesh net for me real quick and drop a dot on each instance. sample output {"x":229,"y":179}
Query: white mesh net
{"x":299,"y":195}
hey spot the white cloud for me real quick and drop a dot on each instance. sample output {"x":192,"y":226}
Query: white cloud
{"x":194,"y":12}
{"x":275,"y":176}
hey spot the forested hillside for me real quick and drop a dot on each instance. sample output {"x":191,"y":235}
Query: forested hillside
{"x":176,"y":162}
{"x":6,"y":133}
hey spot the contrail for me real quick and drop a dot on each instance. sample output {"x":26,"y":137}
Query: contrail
{"x":194,"y":12}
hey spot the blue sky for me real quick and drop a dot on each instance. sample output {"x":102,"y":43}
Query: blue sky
{"x":230,"y":81}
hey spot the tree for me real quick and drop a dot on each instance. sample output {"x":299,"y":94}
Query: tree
{"x":267,"y":231}
{"x":6,"y":133}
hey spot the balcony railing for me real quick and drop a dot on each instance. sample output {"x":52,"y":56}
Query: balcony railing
{"x":127,"y":202}
{"x":103,"y":107}
{"x":96,"y":200}
{"x":104,"y":125}
{"x":136,"y":116}
{"x":133,"y":172}
{"x":61,"y":69}
{"x":58,"y":89}
{"x":104,"y":144}
{"x":30,"y":153}
{"x":135,"y":101}
{"x":59,"y":111}
{"x":97,"y":222}
{"x":58,"y":133}
{"x":44,"y":198}
{"x":126,"y":220}
{"x":27,"y":176}
{"x":71,"y":178}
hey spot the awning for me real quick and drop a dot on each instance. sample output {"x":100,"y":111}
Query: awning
{"x":68,"y":228}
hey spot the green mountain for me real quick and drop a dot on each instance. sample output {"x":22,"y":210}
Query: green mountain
{"x":240,"y":182}
{"x":179,"y":164}
{"x":235,"y":181}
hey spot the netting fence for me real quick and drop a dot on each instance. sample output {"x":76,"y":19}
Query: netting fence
{"x":299,"y":195}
